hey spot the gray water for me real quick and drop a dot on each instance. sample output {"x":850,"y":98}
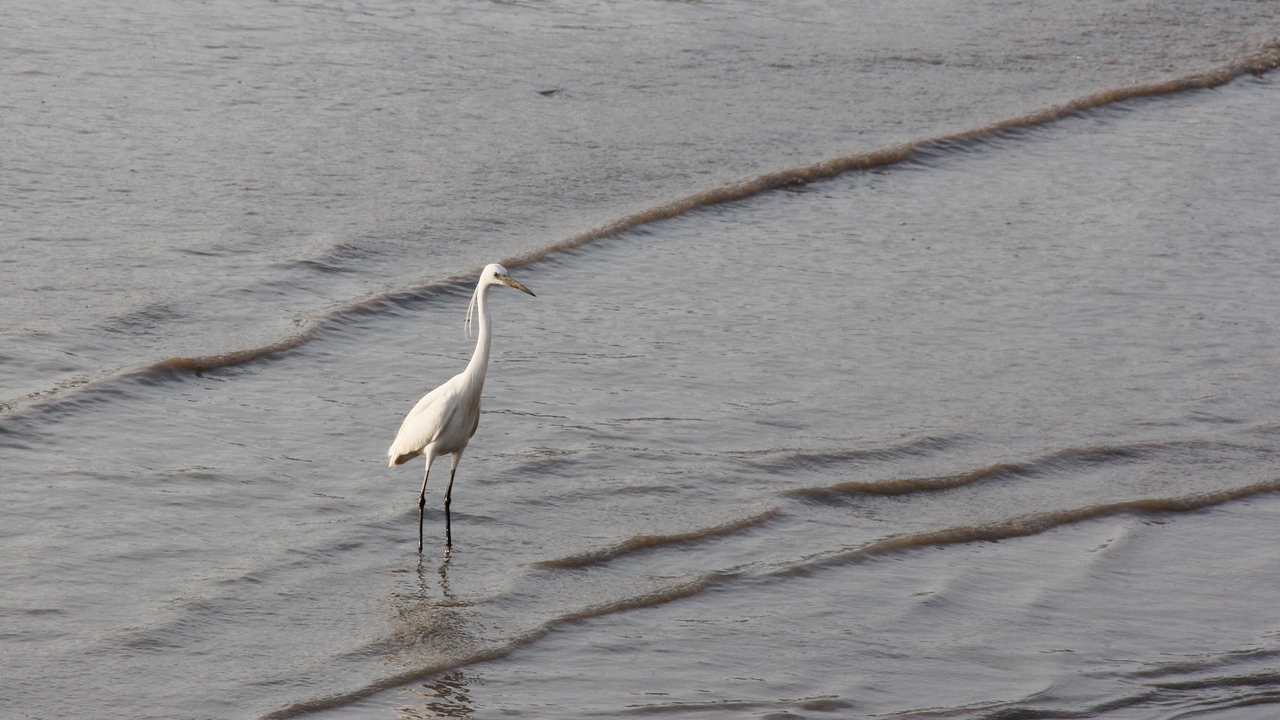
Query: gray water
{"x":990,"y":433}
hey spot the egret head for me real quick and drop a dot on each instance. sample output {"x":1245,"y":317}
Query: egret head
{"x":493,"y":274}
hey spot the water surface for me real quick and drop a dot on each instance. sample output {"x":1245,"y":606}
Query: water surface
{"x":987,"y":433}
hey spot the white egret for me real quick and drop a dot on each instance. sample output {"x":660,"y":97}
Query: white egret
{"x":444,"y":420}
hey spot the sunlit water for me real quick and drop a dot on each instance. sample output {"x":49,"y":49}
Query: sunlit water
{"x":989,"y":434}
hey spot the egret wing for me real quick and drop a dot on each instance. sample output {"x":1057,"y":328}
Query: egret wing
{"x":424,"y":424}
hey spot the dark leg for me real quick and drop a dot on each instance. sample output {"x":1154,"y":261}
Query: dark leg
{"x":448,"y":532}
{"x":422,"y":501}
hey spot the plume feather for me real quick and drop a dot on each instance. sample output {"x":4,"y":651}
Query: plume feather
{"x":466,"y":325}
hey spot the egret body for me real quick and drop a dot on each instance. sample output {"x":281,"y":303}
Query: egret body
{"x":445,"y":419}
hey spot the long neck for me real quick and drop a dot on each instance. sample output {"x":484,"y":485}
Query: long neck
{"x":480,"y":358}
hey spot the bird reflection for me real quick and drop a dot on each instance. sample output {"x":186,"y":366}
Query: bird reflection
{"x":438,"y":627}
{"x":429,"y":625}
{"x":444,"y":576}
{"x":447,"y":696}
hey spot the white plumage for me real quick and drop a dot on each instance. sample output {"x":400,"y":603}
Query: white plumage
{"x":445,"y":419}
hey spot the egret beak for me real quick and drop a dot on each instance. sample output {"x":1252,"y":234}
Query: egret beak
{"x":508,"y":280}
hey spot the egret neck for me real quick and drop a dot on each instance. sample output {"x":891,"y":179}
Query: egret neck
{"x":480,"y":358}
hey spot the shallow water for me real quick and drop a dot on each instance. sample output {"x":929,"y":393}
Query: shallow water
{"x":989,"y":433}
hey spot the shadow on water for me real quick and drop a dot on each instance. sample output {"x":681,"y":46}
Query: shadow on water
{"x":443,"y":696}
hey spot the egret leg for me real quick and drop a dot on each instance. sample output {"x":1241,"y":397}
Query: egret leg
{"x":422,"y":500}
{"x":448,"y":493}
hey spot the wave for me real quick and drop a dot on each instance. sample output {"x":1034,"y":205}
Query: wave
{"x":1175,"y":699}
{"x":650,"y":599}
{"x":1062,"y":460}
{"x":818,"y":704}
{"x":1027,"y":525}
{"x":1059,"y":461}
{"x":645,"y":542}
{"x":1263,"y":61}
{"x":1205,"y":665}
{"x":693,"y":585}
{"x":781,"y":460}
{"x":458,"y":285}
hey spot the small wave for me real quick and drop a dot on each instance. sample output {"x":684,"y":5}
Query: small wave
{"x":1263,"y":61}
{"x":825,"y":703}
{"x":1215,"y":663}
{"x":791,"y":460}
{"x":106,"y":382}
{"x":206,"y":363}
{"x":1068,"y":459}
{"x":324,"y":253}
{"x":905,"y":486}
{"x":650,"y":599}
{"x":329,"y":702}
{"x":1178,"y":699}
{"x":637,"y":543}
{"x":1250,"y":680}
{"x":61,"y":386}
{"x":142,"y":320}
{"x":363,"y":307}
{"x":1029,"y":525}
